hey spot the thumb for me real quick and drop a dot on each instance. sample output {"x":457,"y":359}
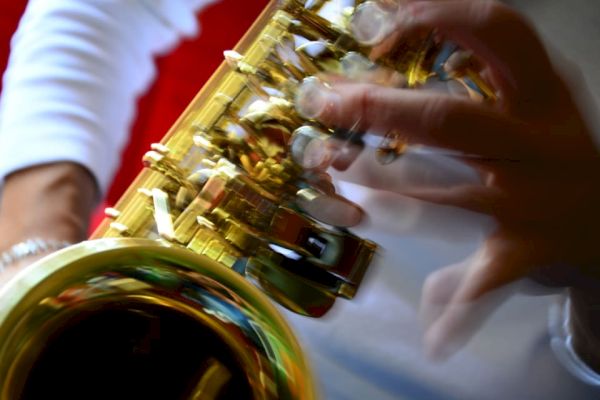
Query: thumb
{"x":483,"y":284}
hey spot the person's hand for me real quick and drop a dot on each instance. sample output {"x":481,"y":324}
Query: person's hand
{"x":51,"y":202}
{"x":533,"y":148}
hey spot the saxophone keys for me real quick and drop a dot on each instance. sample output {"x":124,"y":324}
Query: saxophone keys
{"x":204,"y":143}
{"x":122,"y":229}
{"x":246,"y":164}
{"x":112,"y":212}
{"x":160,"y":148}
{"x":162,"y":214}
{"x":184,"y":197}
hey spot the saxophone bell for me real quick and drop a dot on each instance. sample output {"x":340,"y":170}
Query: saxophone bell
{"x":130,"y":318}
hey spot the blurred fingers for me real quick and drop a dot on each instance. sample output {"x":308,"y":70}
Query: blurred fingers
{"x":458,"y":322}
{"x":329,"y":208}
{"x":418,"y":116}
{"x":484,"y":285}
{"x":475,"y":198}
{"x":438,"y":289}
{"x":495,"y":33}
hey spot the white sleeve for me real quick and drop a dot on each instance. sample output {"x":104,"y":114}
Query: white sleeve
{"x":74,"y":72}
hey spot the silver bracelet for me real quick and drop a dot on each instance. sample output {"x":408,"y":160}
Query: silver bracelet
{"x":28,"y":248}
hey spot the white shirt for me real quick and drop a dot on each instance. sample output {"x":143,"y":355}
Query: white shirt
{"x":69,"y":94}
{"x":74,"y":73}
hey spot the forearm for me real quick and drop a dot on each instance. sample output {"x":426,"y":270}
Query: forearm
{"x":51,"y":201}
{"x":74,"y":73}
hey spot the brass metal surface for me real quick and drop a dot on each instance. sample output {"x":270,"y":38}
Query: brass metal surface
{"x":132,"y":272}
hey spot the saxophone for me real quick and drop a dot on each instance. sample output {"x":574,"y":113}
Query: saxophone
{"x":171,"y":296}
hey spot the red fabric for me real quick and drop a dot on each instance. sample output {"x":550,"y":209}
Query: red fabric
{"x":181,"y":74}
{"x":10,"y":13}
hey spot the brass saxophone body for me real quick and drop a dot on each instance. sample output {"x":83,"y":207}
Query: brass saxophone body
{"x":155,"y":305}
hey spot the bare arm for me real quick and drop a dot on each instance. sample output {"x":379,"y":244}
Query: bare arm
{"x":51,"y":201}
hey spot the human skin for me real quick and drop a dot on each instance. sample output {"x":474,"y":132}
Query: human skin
{"x":533,"y":148}
{"x":51,"y":201}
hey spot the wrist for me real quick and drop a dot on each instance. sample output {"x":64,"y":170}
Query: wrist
{"x":30,"y":248}
{"x":52,"y":201}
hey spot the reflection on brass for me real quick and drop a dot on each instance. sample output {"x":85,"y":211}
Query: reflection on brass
{"x":218,"y":200}
{"x":213,"y":381}
{"x":392,"y":146}
{"x":133,"y":318}
{"x":162,"y":214}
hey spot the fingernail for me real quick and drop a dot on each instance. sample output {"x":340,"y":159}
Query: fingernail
{"x":308,"y":148}
{"x":313,"y":98}
{"x":371,"y":23}
{"x":330,"y":209}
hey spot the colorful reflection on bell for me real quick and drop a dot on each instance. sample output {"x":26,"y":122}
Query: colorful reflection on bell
{"x":154,"y":322}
